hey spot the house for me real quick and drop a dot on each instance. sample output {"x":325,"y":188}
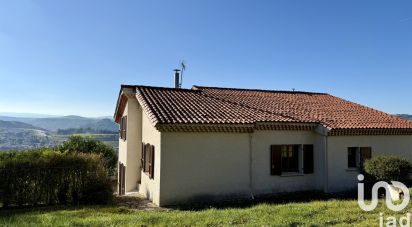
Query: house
{"x":182,"y":145}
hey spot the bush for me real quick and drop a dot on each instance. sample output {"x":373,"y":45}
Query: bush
{"x":387,"y":168}
{"x":81,"y":144}
{"x":46,"y":177}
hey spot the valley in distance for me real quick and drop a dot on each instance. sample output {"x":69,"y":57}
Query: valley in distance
{"x":19,"y":131}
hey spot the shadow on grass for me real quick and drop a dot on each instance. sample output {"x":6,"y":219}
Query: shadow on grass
{"x":11,"y":211}
{"x":281,"y":198}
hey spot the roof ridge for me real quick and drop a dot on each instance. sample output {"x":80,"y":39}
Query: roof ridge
{"x":197,"y":87}
{"x":158,"y":87}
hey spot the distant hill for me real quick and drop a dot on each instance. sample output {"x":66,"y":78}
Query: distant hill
{"x":17,"y":124}
{"x":405,"y":116}
{"x":16,"y":135}
{"x":26,"y":115}
{"x":104,"y":124}
{"x":67,"y":122}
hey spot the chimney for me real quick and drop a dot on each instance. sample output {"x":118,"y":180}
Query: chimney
{"x":177,"y":78}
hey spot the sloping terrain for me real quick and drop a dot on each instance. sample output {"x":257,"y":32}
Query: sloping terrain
{"x":67,"y":122}
{"x":405,"y":116}
{"x":16,"y":135}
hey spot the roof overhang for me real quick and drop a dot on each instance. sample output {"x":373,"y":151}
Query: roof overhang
{"x":370,"y":131}
{"x":237,"y":128}
{"x":125,"y":93}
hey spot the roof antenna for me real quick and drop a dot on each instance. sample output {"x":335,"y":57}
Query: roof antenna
{"x":179,"y":75}
{"x":182,"y":68}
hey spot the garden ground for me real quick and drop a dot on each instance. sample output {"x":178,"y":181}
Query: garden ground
{"x":299,"y":211}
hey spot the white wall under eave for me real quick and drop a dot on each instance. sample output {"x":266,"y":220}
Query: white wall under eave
{"x":342,"y":178}
{"x":150,"y":188}
{"x":130,"y":149}
{"x":133,"y":140}
{"x":202,"y":166}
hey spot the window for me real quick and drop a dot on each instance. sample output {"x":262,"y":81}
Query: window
{"x":291,"y":158}
{"x":358,"y":155}
{"x":353,"y":157}
{"x":147,"y":159}
{"x":123,"y":127}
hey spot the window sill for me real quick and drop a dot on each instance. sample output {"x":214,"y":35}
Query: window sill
{"x":352,"y":170}
{"x":291,"y":174}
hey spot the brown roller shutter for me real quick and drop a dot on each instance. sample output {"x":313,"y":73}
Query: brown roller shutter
{"x":308,"y":159}
{"x":151,"y":162}
{"x":142,"y":155}
{"x":276,"y":160}
{"x":125,"y":127}
{"x":147,"y":158}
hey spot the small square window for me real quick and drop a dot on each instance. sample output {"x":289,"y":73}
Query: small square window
{"x":358,"y":155}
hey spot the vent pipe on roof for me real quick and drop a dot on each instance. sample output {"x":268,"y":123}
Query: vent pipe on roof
{"x":177,"y":78}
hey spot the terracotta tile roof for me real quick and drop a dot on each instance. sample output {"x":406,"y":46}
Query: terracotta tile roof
{"x":211,"y":105}
{"x":326,"y":109}
{"x":169,"y":106}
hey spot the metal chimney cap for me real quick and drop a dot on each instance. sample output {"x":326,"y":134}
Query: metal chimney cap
{"x":176,"y":70}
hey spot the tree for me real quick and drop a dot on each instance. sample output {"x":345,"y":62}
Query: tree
{"x":87,"y":144}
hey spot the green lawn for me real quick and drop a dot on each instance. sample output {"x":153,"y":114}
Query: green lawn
{"x":313,"y":213}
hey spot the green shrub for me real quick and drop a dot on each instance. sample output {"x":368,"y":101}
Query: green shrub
{"x":82,"y":144}
{"x":387,"y":168}
{"x":45,"y":176}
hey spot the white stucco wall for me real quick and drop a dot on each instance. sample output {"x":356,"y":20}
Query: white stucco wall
{"x":130,"y":149}
{"x":340,"y":177}
{"x":134,"y":135}
{"x":212,"y":165}
{"x":151,"y":187}
{"x":200,"y":166}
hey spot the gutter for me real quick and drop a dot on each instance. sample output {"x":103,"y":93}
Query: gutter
{"x":326,"y":186}
{"x":324,"y":132}
{"x":251,"y":167}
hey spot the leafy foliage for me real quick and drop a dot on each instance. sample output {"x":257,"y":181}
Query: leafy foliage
{"x":44,"y":176}
{"x":387,"y":168}
{"x":82,"y":144}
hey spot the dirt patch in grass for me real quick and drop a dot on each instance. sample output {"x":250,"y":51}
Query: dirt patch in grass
{"x":137,"y":203}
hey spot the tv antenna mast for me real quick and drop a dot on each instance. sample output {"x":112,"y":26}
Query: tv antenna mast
{"x":182,"y":68}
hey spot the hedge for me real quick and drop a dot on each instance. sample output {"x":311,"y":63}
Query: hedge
{"x":44,"y":177}
{"x":388,"y":168}
{"x":89,"y":145}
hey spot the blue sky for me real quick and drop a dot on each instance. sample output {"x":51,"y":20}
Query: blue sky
{"x":70,"y":57}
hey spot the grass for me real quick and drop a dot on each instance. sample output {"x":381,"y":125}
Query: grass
{"x":340,"y":212}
